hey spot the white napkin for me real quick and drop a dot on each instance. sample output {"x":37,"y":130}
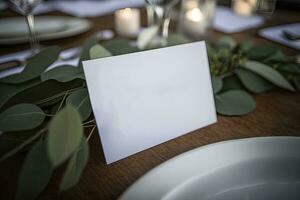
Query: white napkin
{"x":22,"y":55}
{"x":275,"y":34}
{"x":227,"y":21}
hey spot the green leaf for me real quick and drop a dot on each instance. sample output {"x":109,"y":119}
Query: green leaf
{"x":234,"y":103}
{"x":85,"y":52}
{"x":296,"y":81}
{"x":64,"y":73}
{"x":21,"y":117}
{"x":292,"y":68}
{"x":97,"y":51}
{"x":278,"y":56}
{"x":232,"y":83}
{"x":226,"y":42}
{"x":80,"y":101}
{"x":269,"y":74}
{"x":65,"y":134}
{"x":261,"y":52}
{"x":217,"y":84}
{"x":119,"y":46}
{"x":36,"y":65}
{"x":252,"y":81}
{"x":176,"y":39}
{"x":75,"y":166}
{"x":35,"y":173}
{"x":246,"y":45}
{"x":10,"y":90}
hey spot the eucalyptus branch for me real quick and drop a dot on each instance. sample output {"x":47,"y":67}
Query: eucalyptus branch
{"x":57,"y":95}
{"x":90,"y":134}
{"x":93,"y":120}
{"x":62,"y":101}
{"x":28,"y":141}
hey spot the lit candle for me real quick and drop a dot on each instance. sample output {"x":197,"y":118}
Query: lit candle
{"x":189,"y":4}
{"x":244,"y":7}
{"x":127,"y":22}
{"x":195,"y":22}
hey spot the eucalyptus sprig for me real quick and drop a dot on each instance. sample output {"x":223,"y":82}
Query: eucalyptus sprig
{"x":48,"y":113}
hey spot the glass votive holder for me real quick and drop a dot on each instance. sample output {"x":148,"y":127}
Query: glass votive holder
{"x":196,"y":17}
{"x":127,"y":22}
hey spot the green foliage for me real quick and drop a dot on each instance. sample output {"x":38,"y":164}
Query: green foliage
{"x":261,"y":52}
{"x":75,"y":166}
{"x":64,"y":73}
{"x":35,"y":173}
{"x":65,"y":134}
{"x":27,"y":98}
{"x":252,"y":81}
{"x":36,"y":65}
{"x":217,"y":84}
{"x":234,"y":103}
{"x":97,"y":51}
{"x":81,"y":102}
{"x":119,"y":46}
{"x":8,"y":91}
{"x":21,"y":117}
{"x":269,"y":74}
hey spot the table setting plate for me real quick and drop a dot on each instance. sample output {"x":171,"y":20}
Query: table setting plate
{"x":249,"y":169}
{"x":15,"y":31}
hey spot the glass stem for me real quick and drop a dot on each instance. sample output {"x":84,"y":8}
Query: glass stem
{"x":34,"y":43}
{"x":164,"y":22}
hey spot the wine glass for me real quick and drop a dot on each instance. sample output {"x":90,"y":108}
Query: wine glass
{"x":162,"y":18}
{"x":26,"y":7}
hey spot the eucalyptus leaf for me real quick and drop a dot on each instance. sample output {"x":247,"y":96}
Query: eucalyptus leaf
{"x":80,"y":101}
{"x":176,"y":39}
{"x":252,"y":81}
{"x":35,"y":174}
{"x":65,"y":135}
{"x":232,"y":83}
{"x":269,"y":74}
{"x":296,"y":81}
{"x":41,"y":93}
{"x":246,"y":46}
{"x":234,"y":103}
{"x":292,"y":68}
{"x":217,"y":84}
{"x":226,"y":42}
{"x":75,"y":166}
{"x":278,"y":56}
{"x":64,"y":73}
{"x":97,"y":51}
{"x":85,"y":52}
{"x":119,"y":46}
{"x":261,"y":52}
{"x":36,"y":65}
{"x":10,"y":90}
{"x":21,"y":117}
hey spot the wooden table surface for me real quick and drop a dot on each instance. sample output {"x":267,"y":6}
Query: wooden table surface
{"x":277,"y":114}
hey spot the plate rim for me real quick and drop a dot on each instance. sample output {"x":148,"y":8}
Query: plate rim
{"x":85,"y":26}
{"x":201,"y":148}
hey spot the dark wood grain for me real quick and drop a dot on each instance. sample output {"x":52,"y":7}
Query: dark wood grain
{"x":277,"y":114}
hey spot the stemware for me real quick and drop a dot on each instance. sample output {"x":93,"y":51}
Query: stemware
{"x":161,"y":10}
{"x":26,"y":7}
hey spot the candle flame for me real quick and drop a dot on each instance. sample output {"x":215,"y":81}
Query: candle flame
{"x":195,"y":15}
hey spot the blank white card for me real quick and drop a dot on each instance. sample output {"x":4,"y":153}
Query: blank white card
{"x":143,"y":99}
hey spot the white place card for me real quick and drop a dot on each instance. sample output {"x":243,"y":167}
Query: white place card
{"x":143,"y":99}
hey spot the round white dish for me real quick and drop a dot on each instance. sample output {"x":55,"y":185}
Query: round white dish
{"x":246,"y":169}
{"x":14,"y":30}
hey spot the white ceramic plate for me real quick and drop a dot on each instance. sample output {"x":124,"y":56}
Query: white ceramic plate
{"x":14,"y":30}
{"x":265,"y":168}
